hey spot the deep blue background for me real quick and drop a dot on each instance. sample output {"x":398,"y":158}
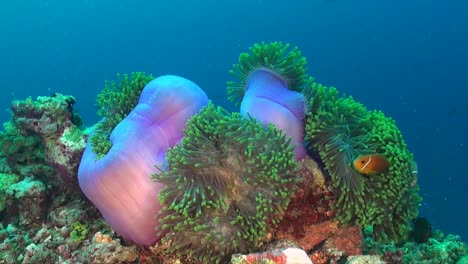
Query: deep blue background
{"x":408,"y":58}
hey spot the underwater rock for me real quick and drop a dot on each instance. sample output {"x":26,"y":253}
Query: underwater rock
{"x":64,"y":214}
{"x":103,"y":249}
{"x":28,"y":197}
{"x":346,"y":239}
{"x":6,"y":180}
{"x":312,"y":201}
{"x":309,"y":219}
{"x":52,"y":119}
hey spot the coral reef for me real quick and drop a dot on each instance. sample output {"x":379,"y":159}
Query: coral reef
{"x":311,"y":204}
{"x":39,"y":195}
{"x":338,"y":130}
{"x":228,"y":184}
{"x":6,"y":180}
{"x":19,"y":151}
{"x":119,"y":183}
{"x":232,"y":187}
{"x":53,"y":121}
{"x":271,"y":77}
{"x":23,"y":154}
{"x":438,"y":249}
{"x":28,"y":198}
{"x":39,"y":158}
{"x":53,"y":245}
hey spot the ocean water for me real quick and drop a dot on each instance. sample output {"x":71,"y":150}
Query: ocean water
{"x":408,"y":58}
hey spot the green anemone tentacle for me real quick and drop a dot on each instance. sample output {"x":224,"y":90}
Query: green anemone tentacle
{"x":115,"y":102}
{"x":339,"y":129}
{"x":228,"y":183}
{"x":286,"y":62}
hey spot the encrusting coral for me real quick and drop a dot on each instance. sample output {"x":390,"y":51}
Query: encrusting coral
{"x":338,"y":130}
{"x":271,"y":77}
{"x":119,"y":183}
{"x":228,"y":184}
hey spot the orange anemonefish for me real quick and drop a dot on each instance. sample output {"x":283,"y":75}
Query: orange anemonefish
{"x":371,"y":164}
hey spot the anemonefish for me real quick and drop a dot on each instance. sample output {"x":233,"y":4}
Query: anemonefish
{"x":371,"y":164}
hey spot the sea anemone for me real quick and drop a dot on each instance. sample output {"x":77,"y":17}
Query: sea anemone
{"x":271,"y":77}
{"x":115,"y":102}
{"x":338,"y":130}
{"x":228,"y":183}
{"x":119,"y":182}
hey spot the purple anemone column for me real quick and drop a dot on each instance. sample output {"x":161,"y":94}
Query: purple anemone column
{"x":119,"y":184}
{"x":268,"y":99}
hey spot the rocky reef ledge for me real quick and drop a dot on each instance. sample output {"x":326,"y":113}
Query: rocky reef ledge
{"x":46,"y":219}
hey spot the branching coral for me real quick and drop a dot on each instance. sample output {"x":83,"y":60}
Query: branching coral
{"x":339,"y":129}
{"x":270,"y":79}
{"x":227,"y":184}
{"x":119,"y":183}
{"x":115,"y":102}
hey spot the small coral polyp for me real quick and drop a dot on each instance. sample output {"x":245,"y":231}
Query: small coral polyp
{"x":228,"y":184}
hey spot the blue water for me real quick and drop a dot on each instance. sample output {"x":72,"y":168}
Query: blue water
{"x":408,"y":58}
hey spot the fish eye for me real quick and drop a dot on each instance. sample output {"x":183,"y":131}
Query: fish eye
{"x":363,"y":161}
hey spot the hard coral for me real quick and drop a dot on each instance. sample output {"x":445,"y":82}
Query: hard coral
{"x":227,"y":184}
{"x":271,"y":77}
{"x":339,"y":129}
{"x":119,"y":183}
